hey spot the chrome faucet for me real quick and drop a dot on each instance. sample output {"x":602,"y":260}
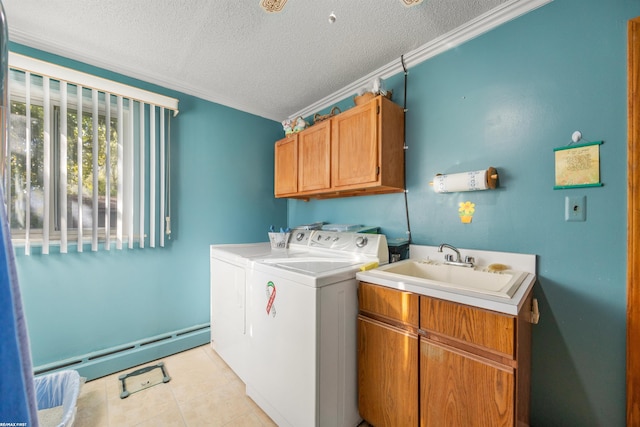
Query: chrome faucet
{"x":448,"y":258}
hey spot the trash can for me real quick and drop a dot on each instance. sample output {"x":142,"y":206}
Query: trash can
{"x":57,"y":394}
{"x":398,"y":249}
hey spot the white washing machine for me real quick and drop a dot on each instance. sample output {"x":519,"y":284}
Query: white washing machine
{"x":301,"y":312}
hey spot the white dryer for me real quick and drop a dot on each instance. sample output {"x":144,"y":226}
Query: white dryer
{"x":228,"y":270}
{"x":228,"y":264}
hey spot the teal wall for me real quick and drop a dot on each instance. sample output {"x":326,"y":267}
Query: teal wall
{"x":222,"y":191}
{"x":507,"y":99}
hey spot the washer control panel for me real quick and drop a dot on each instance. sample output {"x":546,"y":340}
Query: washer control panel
{"x":360,"y":243}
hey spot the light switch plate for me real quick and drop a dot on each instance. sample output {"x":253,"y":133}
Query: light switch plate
{"x":575,"y":208}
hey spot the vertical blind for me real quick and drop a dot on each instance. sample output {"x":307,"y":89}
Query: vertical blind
{"x":88,"y":160}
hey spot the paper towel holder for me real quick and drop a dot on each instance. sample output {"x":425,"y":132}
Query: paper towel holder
{"x":492,"y":177}
{"x":491,"y":180}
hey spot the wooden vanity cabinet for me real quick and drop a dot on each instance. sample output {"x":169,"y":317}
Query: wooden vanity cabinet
{"x":357,"y":152}
{"x":460,"y":390}
{"x":387,"y":356}
{"x":473,"y":364}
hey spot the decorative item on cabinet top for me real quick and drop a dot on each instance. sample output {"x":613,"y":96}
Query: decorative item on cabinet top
{"x":321,"y":117}
{"x":294,"y":125}
{"x":368,"y":96}
{"x":375,"y":88}
{"x":466,"y":181}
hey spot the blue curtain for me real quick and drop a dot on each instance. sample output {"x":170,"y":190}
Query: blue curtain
{"x":17,"y":397}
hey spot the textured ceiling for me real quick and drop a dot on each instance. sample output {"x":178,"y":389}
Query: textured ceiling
{"x":234,"y":53}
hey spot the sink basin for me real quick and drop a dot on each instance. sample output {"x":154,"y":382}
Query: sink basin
{"x":435,"y":274}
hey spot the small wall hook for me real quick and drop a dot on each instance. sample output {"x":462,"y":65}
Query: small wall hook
{"x":576,"y":136}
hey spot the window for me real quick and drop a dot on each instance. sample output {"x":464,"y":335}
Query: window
{"x":87,"y":163}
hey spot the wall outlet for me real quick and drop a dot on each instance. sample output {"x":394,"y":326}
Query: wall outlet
{"x":575,"y":208}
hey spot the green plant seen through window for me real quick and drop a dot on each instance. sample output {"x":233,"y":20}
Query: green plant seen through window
{"x":18,"y":167}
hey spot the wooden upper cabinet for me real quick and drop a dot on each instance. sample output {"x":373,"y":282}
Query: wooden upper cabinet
{"x":357,"y":152}
{"x":314,"y":158}
{"x":354,"y":157}
{"x":286,"y":166}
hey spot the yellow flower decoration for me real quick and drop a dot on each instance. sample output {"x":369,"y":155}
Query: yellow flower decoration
{"x":466,"y":208}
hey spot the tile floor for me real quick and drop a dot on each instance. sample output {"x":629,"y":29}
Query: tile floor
{"x":203,"y":392}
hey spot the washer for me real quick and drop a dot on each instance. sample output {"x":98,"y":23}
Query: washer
{"x":301,"y":312}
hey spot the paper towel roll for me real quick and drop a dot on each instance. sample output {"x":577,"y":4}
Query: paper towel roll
{"x":466,"y":181}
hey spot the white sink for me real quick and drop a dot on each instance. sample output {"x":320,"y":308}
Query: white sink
{"x":435,"y":274}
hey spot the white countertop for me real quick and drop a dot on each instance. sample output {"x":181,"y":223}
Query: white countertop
{"x":519,"y":262}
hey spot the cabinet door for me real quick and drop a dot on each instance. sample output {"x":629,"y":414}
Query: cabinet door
{"x":459,"y":389}
{"x":387,"y":374}
{"x":354,"y":149}
{"x":286,"y":166}
{"x":481,"y":328}
{"x":392,"y":306}
{"x":314,"y":157}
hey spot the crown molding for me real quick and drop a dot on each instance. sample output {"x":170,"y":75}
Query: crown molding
{"x":505,"y":12}
{"x":70,"y":52}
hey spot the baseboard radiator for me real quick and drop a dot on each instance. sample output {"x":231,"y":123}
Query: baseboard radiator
{"x":118,"y":358}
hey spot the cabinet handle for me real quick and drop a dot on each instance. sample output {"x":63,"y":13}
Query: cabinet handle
{"x":535,"y":312}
